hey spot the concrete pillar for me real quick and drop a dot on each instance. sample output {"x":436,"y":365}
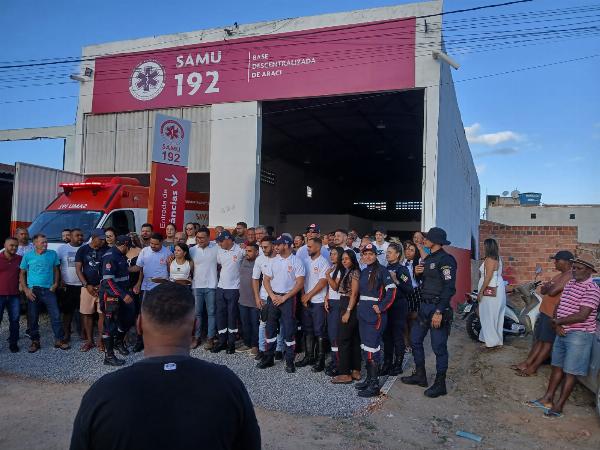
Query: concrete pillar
{"x":236,"y":130}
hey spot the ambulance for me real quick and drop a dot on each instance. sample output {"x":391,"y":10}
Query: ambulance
{"x":101,"y":202}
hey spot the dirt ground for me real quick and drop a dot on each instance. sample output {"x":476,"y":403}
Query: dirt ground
{"x":485,"y":398}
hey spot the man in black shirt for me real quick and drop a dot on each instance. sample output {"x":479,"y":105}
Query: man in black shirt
{"x":169,"y":400}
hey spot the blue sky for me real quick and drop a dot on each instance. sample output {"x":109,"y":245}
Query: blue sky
{"x":535,"y":130}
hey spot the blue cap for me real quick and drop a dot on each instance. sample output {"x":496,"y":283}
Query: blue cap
{"x":283,"y":239}
{"x":224,"y":235}
{"x":123,"y":239}
{"x":98,"y":232}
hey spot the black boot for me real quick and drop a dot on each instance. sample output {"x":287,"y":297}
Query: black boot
{"x":331,"y":369}
{"x":419,"y":377}
{"x":309,"y":355}
{"x":290,"y":367}
{"x":109,"y":356}
{"x":259,"y":356}
{"x":278,"y":356}
{"x":372,"y":389}
{"x":220,"y":346}
{"x":363,"y":384}
{"x":120,"y":343}
{"x":139,"y":344}
{"x":320,"y":356}
{"x":396,"y":368}
{"x":386,"y":366}
{"x":439,"y":386}
{"x":266,"y":361}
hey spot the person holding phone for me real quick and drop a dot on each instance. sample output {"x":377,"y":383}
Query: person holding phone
{"x":438,"y":274}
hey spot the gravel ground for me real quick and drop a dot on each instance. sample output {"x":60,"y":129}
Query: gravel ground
{"x":306,"y":393}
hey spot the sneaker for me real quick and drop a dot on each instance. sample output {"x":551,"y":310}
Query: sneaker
{"x":14,"y":348}
{"x":254,"y":351}
{"x":62,"y":345}
{"x":34,"y":347}
{"x":243,"y":348}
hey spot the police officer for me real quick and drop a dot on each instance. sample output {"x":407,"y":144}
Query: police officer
{"x":116,"y":301}
{"x":376,"y":291}
{"x":283,"y":279}
{"x":438,"y":273}
{"x":393,"y":336}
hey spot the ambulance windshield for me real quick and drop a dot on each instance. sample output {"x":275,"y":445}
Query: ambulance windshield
{"x":51,"y":223}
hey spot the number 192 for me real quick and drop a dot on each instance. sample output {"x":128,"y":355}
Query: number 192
{"x":194,"y":81}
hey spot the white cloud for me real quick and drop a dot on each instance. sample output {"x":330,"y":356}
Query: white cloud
{"x":503,"y":151}
{"x":474,"y":136}
{"x":480,"y":168}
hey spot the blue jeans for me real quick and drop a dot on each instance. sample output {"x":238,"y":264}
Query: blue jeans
{"x":11,"y":303}
{"x":47,"y":297}
{"x":205,"y":297}
{"x":249,"y":319}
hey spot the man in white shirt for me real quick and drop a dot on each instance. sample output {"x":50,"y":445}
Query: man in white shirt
{"x":264,"y":261}
{"x":204,"y":254}
{"x":313,"y":306}
{"x":229,"y":257}
{"x":282,"y":280}
{"x":152,"y":265}
{"x":69,"y":293}
{"x":382,"y":245}
{"x":312,"y":231}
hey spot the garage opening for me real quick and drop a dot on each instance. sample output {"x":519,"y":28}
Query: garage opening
{"x":346,"y":161}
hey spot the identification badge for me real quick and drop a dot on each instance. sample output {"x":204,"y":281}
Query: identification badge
{"x":432,"y":266}
{"x":170,"y":366}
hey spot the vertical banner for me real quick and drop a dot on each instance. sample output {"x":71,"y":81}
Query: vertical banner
{"x":168,"y":176}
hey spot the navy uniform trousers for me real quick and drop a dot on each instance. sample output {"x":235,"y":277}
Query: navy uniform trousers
{"x":439,"y":338}
{"x":314,"y":319}
{"x":227,"y":315}
{"x":333,"y":324}
{"x":370,"y":327}
{"x":393,"y":335}
{"x":287,"y":313}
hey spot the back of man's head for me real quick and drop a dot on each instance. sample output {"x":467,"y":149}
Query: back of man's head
{"x":168,"y":305}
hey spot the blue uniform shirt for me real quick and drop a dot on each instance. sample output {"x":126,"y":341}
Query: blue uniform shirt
{"x":384,"y":288}
{"x":115,"y":274}
{"x":401,"y":275}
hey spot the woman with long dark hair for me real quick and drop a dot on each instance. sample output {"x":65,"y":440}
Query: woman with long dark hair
{"x":377,"y":292}
{"x":491,"y":297}
{"x":410,"y":261}
{"x":182,"y":266}
{"x":332,"y":305}
{"x":348,"y":338}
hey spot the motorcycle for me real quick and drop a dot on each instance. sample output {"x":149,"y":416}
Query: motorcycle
{"x":518,"y":321}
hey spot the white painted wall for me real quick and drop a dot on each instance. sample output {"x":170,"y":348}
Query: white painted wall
{"x":587,"y":218}
{"x":457,"y":190}
{"x":235,"y":163}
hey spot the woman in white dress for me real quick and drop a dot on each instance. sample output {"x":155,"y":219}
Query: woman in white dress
{"x":491,"y":297}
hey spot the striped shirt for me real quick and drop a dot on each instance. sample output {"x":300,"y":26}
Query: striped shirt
{"x":575,"y":295}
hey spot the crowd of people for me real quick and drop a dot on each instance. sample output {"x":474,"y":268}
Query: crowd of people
{"x":362,"y":300}
{"x":564,"y":330}
{"x":357,"y":299}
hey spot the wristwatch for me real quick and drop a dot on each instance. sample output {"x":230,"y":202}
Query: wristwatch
{"x":84,"y":285}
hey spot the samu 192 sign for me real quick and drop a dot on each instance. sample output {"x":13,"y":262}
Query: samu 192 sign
{"x":171,"y":140}
{"x":168,"y":176}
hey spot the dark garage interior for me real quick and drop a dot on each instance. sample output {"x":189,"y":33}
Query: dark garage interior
{"x":357,"y":155}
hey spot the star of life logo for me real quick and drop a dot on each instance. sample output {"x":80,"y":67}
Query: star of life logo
{"x":147,"y":80}
{"x":172,"y":130}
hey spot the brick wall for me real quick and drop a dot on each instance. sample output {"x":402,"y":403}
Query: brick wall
{"x":522,"y":247}
{"x":590,"y":250}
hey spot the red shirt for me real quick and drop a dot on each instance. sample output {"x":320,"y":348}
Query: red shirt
{"x":9,"y":274}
